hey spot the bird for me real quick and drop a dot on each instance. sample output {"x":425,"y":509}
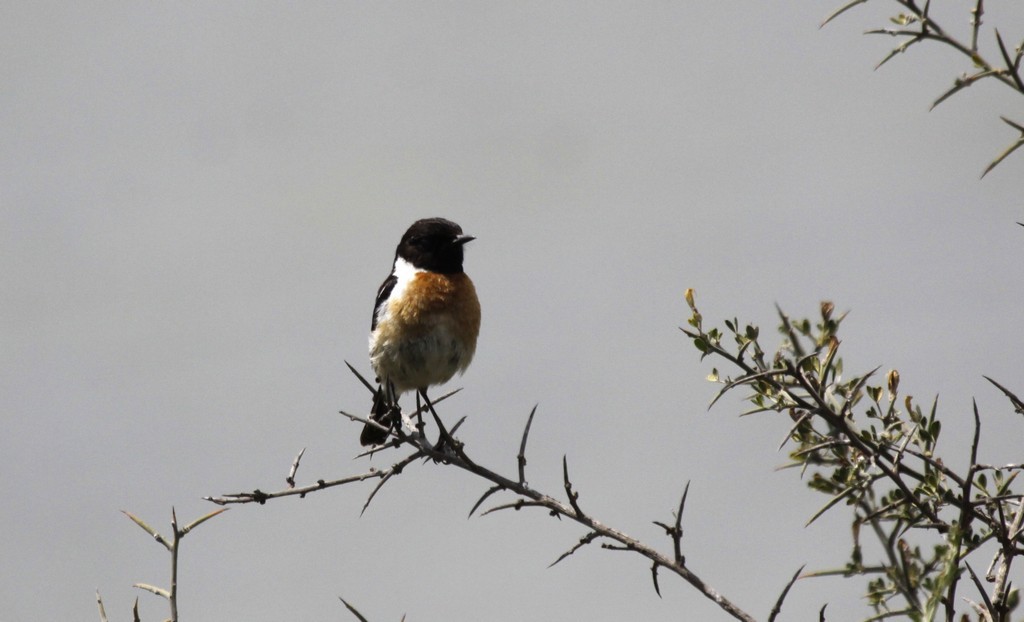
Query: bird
{"x":426,"y":320}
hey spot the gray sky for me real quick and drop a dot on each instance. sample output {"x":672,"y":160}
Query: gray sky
{"x":200,"y":199}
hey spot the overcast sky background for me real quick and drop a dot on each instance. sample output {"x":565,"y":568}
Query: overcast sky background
{"x":200,"y":199}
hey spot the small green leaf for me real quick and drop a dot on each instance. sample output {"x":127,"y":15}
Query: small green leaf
{"x":903,"y":19}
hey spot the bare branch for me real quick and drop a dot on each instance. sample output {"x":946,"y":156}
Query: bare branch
{"x":585,"y":540}
{"x":961,"y":83}
{"x":965,"y":507}
{"x":172,"y":598}
{"x":976,"y":13}
{"x":1011,"y":65}
{"x":899,"y":49}
{"x":1018,"y":405}
{"x":153,"y":532}
{"x":490,"y":491}
{"x":295,"y":468}
{"x":352,"y":609}
{"x":573,"y":496}
{"x":521,"y":458}
{"x":1001,"y":590}
{"x":676,"y":530}
{"x":777,"y":609}
{"x":981,"y":590}
{"x":451,"y":452}
{"x":919,"y":26}
{"x":159,"y":591}
{"x":99,"y":603}
{"x":258,"y":496}
{"x":846,"y":7}
{"x":202,"y":519}
{"x":518,"y":505}
{"x":1002,"y":156}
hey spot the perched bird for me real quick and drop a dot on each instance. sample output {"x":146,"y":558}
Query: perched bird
{"x":426,"y":319}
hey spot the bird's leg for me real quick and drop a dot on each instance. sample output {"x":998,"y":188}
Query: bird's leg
{"x":419,"y":418}
{"x":394,"y":417}
{"x":444,"y":438}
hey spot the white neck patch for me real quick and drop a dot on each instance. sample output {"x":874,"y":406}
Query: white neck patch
{"x":405,"y":272}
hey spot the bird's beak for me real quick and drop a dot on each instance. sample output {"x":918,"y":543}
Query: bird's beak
{"x":462,"y":240}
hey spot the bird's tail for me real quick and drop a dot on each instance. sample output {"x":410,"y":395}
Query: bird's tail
{"x":381,"y":412}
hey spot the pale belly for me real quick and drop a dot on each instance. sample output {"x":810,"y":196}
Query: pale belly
{"x":419,"y":362}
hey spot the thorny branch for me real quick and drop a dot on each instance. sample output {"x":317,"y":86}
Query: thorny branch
{"x":887,"y":471}
{"x":918,"y":24}
{"x":883,"y":463}
{"x":451,"y":451}
{"x":172,"y":545}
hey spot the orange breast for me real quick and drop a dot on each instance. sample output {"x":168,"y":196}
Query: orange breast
{"x":451,"y":295}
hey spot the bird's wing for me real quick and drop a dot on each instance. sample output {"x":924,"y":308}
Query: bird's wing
{"x":382,"y":296}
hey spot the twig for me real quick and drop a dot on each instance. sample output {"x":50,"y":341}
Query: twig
{"x":1011,"y":65}
{"x":99,"y":603}
{"x":295,"y":467}
{"x":585,"y":540}
{"x":173,"y":599}
{"x":490,"y":491}
{"x":846,"y":7}
{"x":676,"y":530}
{"x":352,"y":609}
{"x":258,"y":496}
{"x":981,"y":589}
{"x":965,"y":506}
{"x":528,"y":497}
{"x":1001,"y":591}
{"x":173,"y":546}
{"x":521,"y":458}
{"x":928,"y":29}
{"x":1013,"y":147}
{"x":869,"y":449}
{"x":1018,"y":405}
{"x":145,"y":527}
{"x":960,"y":84}
{"x":573,"y":496}
{"x":804,"y":416}
{"x":777,"y":609}
{"x":976,"y":13}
